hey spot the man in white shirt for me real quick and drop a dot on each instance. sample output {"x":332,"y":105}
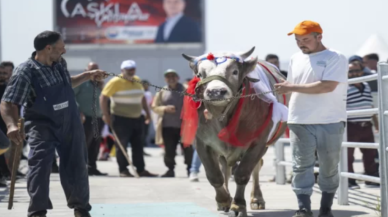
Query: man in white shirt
{"x":317,"y":81}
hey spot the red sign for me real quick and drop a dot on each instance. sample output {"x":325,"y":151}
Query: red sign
{"x":129,"y":21}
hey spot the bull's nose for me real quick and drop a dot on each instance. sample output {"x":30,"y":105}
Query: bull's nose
{"x":216,"y":92}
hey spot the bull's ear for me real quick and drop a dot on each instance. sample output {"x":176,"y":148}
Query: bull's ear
{"x":191,"y":61}
{"x":249,"y":65}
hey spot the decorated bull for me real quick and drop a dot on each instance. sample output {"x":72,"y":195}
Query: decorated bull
{"x":233,"y":116}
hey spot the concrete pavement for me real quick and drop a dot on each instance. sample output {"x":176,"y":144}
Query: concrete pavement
{"x":177,"y":197}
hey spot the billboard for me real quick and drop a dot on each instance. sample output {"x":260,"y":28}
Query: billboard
{"x":129,"y":21}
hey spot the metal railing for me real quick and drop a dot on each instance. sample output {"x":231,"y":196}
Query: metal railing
{"x":382,"y":112}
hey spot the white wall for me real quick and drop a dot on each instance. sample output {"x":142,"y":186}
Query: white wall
{"x":241,"y":24}
{"x":21,"y":21}
{"x":230,"y":25}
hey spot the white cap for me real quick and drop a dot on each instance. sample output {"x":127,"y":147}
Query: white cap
{"x":128,"y":64}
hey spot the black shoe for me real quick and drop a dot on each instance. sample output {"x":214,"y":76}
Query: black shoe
{"x":8,"y":177}
{"x":96,"y":172}
{"x":169,"y":174}
{"x":81,"y":213}
{"x":372,"y":185}
{"x":39,"y":214}
{"x":325,"y":212}
{"x":303,"y":213}
{"x":145,"y":173}
{"x":353,"y":185}
{"x":126,"y":174}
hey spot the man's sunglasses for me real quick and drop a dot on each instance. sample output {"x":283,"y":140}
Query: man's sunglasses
{"x":355,"y":71}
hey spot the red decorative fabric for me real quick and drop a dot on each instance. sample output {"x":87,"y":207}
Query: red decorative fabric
{"x":243,"y":130}
{"x":189,"y":115}
{"x":284,"y":102}
{"x":287,"y":132}
{"x":284,"y":95}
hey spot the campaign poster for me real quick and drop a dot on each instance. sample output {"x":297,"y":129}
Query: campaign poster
{"x":129,"y":21}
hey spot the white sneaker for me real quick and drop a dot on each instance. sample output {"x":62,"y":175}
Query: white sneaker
{"x":193,"y":177}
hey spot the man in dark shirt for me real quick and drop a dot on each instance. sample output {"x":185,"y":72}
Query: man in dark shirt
{"x":274,"y":59}
{"x":168,"y":105}
{"x":367,"y":71}
{"x":43,"y":85}
{"x":8,"y":67}
{"x":177,"y":28}
{"x":84,"y":97}
{"x":4,"y":142}
{"x":3,"y":85}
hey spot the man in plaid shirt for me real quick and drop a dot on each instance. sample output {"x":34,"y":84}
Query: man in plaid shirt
{"x":43,"y":85}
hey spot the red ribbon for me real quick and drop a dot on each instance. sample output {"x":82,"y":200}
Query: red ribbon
{"x":190,"y":121}
{"x":189,"y":115}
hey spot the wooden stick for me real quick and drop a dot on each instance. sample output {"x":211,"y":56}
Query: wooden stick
{"x":16,"y":152}
{"x":125,"y":153}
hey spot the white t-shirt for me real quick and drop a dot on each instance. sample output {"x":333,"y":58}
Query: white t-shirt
{"x":148,"y":97}
{"x":323,"y":108}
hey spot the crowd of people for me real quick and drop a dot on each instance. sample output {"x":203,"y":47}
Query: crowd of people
{"x":131,"y":104}
{"x":124,"y":103}
{"x":126,"y":107}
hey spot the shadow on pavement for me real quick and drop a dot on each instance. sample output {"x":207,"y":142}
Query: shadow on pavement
{"x":290,"y":213}
{"x":4,"y":192}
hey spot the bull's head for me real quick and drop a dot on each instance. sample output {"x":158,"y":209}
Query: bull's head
{"x":222,"y":74}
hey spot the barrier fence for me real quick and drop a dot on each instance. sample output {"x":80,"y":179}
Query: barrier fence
{"x":382,"y":112}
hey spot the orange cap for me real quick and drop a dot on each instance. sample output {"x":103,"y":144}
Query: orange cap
{"x":306,"y":27}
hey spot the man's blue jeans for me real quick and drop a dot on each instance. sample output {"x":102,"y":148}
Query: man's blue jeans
{"x":196,"y":163}
{"x":327,"y":140}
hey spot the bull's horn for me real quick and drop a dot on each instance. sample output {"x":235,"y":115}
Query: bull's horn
{"x":247,"y":54}
{"x":187,"y":57}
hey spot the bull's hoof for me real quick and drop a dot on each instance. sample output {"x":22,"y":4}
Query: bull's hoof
{"x":224,"y":206}
{"x":238,"y":211}
{"x":257,"y":205}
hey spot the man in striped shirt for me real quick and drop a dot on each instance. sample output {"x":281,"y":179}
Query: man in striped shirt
{"x":125,"y":117}
{"x":360,"y":127}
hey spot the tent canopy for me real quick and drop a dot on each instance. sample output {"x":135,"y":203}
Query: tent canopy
{"x":374,"y":44}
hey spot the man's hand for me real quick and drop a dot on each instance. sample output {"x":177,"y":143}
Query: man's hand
{"x":147,"y":120}
{"x":170,"y":109}
{"x":15,"y":136}
{"x":207,"y":114}
{"x":97,"y":75}
{"x":106,"y":119}
{"x":283,"y":88}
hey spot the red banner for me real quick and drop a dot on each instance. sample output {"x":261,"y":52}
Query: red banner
{"x":129,"y":21}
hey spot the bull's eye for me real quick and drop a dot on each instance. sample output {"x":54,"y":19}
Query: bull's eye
{"x":235,"y":72}
{"x":199,"y":75}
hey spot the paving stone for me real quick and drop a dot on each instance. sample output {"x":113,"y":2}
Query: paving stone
{"x":178,"y":197}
